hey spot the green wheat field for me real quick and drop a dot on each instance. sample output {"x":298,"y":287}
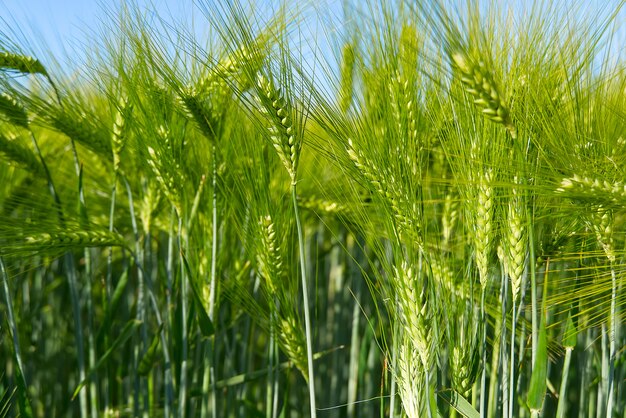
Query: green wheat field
{"x":425,"y":220}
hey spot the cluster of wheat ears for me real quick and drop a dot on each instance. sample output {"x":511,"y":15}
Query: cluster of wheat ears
{"x":426,"y":220}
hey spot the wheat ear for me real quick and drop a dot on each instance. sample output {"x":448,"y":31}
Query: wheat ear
{"x":283,"y":135}
{"x":480,"y":83}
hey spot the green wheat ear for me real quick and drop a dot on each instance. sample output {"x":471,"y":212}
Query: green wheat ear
{"x":480,"y":83}
{"x":21,"y":63}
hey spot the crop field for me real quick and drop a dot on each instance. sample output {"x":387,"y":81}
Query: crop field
{"x":423,"y":218}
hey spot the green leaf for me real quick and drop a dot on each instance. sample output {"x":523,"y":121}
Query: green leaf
{"x":458,"y":402}
{"x":22,"y":391}
{"x":537,"y":389}
{"x":570,"y":335}
{"x":126,"y":333}
{"x":114,"y":304}
{"x":149,"y":358}
{"x":205,"y":323}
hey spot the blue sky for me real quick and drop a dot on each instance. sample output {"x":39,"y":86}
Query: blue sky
{"x":64,"y":25}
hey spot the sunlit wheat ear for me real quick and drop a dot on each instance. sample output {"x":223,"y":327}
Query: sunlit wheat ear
{"x":403,"y":110}
{"x":413,"y":312}
{"x":197,"y":107}
{"x":408,"y":53}
{"x":479,"y":82}
{"x":167,"y":172}
{"x":323,"y":206}
{"x":481,"y":212}
{"x":449,"y":218}
{"x":292,"y":341}
{"x":269,"y":259}
{"x":13,"y":111}
{"x":20,"y":154}
{"x":21,"y":63}
{"x":410,"y":378}
{"x":283,"y":135}
{"x":148,"y":205}
{"x":120,"y":127}
{"x":390,"y":189}
{"x":243,"y":63}
{"x":602,"y":224}
{"x":82,"y":130}
{"x":346,"y":90}
{"x":596,"y":190}
{"x":513,"y":247}
{"x":464,"y":363}
{"x":73,"y":239}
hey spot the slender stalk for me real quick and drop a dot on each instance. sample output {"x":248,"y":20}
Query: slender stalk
{"x":305,"y":296}
{"x":213,"y":285}
{"x":505,"y":372}
{"x":612,"y":346}
{"x":483,"y":352}
{"x":533,"y":293}
{"x":78,"y":328}
{"x":392,"y":386}
{"x":168,"y":378}
{"x":353,"y":375}
{"x":182,"y":389}
{"x":561,"y":408}
{"x":512,"y":362}
{"x":11,"y":316}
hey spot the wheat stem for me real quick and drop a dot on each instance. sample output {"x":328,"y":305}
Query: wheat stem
{"x":305,"y":297}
